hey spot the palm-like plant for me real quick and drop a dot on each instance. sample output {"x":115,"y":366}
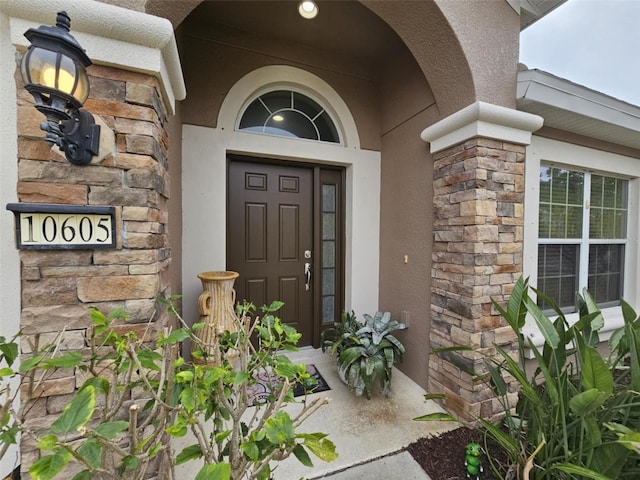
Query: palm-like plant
{"x":366,"y":352}
{"x":577,"y":415}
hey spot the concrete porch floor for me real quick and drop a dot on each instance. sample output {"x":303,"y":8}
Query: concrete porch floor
{"x":369,"y":434}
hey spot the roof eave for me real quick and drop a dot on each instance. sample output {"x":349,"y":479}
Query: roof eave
{"x":531,"y":11}
{"x":577,"y":109}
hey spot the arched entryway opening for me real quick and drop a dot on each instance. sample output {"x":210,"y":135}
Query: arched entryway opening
{"x":351,"y":61}
{"x":381,"y":79}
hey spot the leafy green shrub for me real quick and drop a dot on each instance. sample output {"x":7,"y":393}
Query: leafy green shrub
{"x":137,"y":395}
{"x":578,"y":414}
{"x":103,"y":431}
{"x":9,"y":423}
{"x":232,"y":440}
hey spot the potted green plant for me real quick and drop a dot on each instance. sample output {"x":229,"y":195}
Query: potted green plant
{"x":365,"y":351}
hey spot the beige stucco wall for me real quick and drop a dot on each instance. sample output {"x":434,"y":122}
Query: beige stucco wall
{"x":406,"y":211}
{"x":174,"y":204}
{"x":568,"y":137}
{"x":468,"y":51}
{"x":215,"y":58}
{"x":9,"y":256}
{"x":454,"y":43}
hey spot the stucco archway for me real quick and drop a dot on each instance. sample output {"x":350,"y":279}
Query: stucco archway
{"x":389,"y":97}
{"x":443,"y":39}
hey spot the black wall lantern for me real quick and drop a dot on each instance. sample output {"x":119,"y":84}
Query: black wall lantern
{"x":54,"y":72}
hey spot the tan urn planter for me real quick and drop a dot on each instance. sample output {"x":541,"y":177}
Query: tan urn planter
{"x":216,"y":305}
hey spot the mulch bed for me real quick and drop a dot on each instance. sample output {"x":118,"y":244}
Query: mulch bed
{"x":442,"y":457}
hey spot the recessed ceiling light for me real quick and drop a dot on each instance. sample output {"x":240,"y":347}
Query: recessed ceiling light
{"x":278,"y":118}
{"x":308,"y":9}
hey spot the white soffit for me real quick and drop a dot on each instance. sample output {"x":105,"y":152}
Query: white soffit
{"x":573,"y":108}
{"x":531,"y":11}
{"x":485,"y":120}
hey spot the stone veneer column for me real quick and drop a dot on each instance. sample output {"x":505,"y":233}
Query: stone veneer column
{"x":133,"y":98}
{"x":59,"y":286}
{"x":478,"y":176}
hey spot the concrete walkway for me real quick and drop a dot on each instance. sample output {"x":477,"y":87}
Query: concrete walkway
{"x":369,"y":434}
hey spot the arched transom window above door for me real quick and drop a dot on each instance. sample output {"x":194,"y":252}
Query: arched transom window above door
{"x":289,"y":113}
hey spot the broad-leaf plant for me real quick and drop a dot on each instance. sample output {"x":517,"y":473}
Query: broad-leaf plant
{"x":365,"y":351}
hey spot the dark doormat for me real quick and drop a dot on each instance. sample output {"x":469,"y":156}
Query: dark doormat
{"x":260,"y":391}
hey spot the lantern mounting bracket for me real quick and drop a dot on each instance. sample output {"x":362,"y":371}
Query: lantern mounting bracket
{"x":78,"y":137}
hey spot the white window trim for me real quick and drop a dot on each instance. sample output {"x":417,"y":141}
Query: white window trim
{"x":557,"y":153}
{"x":301,"y":91}
{"x":284,"y":77}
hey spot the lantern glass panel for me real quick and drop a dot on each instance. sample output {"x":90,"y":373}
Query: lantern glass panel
{"x":35,"y":63}
{"x":56,"y":71}
{"x":81,"y":92}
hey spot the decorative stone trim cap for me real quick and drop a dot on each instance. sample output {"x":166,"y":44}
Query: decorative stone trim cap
{"x":482,"y":119}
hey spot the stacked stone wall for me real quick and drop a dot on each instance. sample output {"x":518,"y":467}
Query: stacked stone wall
{"x":477,"y":256}
{"x":60,"y":286}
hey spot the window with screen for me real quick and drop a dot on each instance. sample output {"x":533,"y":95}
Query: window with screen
{"x":582,"y":236}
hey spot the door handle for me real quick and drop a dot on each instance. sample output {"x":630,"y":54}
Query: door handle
{"x":307,"y":275}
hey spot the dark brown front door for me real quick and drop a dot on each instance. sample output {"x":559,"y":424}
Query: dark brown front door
{"x":270,"y":238}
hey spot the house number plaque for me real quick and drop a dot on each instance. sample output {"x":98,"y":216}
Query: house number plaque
{"x":49,"y":226}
